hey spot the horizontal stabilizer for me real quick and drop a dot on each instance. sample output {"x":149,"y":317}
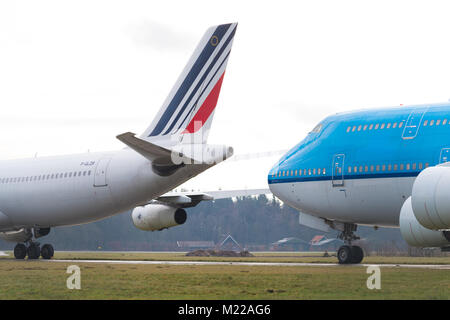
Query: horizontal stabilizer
{"x":151,"y":151}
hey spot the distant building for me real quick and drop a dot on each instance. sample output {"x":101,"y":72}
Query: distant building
{"x":229,"y":244}
{"x":194,"y":245}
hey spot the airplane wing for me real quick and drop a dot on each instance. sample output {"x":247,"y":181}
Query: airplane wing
{"x":191,"y":199}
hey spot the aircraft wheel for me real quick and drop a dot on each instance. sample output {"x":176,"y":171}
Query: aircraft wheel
{"x":34,"y":251}
{"x":344,"y":255}
{"x":357,"y":254}
{"x":47,"y":251}
{"x":20,"y":251}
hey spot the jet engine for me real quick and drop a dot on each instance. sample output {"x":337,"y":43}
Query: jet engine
{"x":415,"y":234}
{"x":431,"y":198}
{"x":157,"y":217}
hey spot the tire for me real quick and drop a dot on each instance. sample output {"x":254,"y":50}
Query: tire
{"x":357,"y":254}
{"x":47,"y":251}
{"x":344,"y":255}
{"x":34,"y":251}
{"x":20,"y":251}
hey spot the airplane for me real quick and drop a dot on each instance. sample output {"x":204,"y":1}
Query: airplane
{"x":38,"y":194}
{"x":386,"y":167}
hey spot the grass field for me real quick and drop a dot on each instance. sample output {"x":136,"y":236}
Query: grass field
{"x":47,"y":280}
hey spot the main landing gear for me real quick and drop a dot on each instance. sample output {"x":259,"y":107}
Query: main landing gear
{"x":28,"y":247}
{"x":347,"y":253}
{"x":33,"y":251}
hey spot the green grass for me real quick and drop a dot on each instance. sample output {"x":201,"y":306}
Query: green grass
{"x":47,"y":280}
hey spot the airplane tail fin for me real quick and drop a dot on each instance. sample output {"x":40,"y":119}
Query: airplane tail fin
{"x":186,"y":115}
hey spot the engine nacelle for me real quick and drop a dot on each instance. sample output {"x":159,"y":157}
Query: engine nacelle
{"x":415,"y":234}
{"x":431,"y":198}
{"x":157,"y":217}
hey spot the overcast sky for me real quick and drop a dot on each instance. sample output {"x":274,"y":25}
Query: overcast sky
{"x":74,"y":74}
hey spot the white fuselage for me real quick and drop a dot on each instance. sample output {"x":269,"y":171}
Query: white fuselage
{"x":362,"y":201}
{"x":76,"y":189}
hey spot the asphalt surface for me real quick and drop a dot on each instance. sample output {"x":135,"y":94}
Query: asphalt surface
{"x":269,"y":264}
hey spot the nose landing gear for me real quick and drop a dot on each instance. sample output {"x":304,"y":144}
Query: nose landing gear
{"x":347,"y":253}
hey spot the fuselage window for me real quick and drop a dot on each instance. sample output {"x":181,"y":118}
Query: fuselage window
{"x":408,"y":166}
{"x":360,"y":168}
{"x":323,"y":171}
{"x":382,"y":126}
{"x":420,"y":165}
{"x":414,"y":166}
{"x":376,"y":126}
{"x":383,"y":167}
{"x":349,"y":169}
{"x":426,"y":165}
{"x":425,"y":123}
{"x":394,"y":125}
{"x":371,"y":168}
{"x":281,"y":174}
{"x":309,"y":172}
{"x":402,"y":166}
{"x":304,"y":172}
{"x":365,"y":127}
{"x":317,"y":128}
{"x":359,"y":128}
{"x":388,"y":125}
{"x":295,"y":173}
{"x":400,"y":124}
{"x":444,"y":122}
{"x":389,"y":167}
{"x":348,"y":129}
{"x":79,"y":173}
{"x":431,"y":122}
{"x":395,"y":167}
{"x":366,"y":168}
{"x":299,"y":172}
{"x":355,"y":169}
{"x":370,"y":127}
{"x":438,"y":122}
{"x":65,"y":175}
{"x":378,"y":167}
{"x":354,"y":128}
{"x":318,"y":171}
{"x":292,"y":173}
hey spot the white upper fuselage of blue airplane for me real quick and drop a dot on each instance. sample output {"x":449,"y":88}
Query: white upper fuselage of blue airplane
{"x":360,"y":167}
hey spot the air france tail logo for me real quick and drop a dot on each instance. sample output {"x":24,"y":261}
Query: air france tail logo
{"x":206,"y":109}
{"x":203,"y":78}
{"x":214,"y":41}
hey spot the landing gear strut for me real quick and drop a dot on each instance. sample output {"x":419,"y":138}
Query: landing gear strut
{"x":347,"y":253}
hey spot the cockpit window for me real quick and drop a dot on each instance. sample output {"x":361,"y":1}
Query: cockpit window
{"x":317,"y":128}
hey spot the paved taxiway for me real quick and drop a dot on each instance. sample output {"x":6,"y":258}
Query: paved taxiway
{"x":269,"y":264}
